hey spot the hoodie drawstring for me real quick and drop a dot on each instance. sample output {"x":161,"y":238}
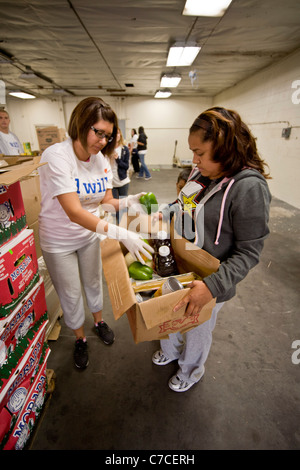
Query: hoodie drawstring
{"x":222,"y":211}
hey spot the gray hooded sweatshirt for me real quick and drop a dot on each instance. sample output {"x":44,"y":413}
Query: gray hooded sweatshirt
{"x":231,"y":223}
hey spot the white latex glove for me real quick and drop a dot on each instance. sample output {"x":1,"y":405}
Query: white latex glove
{"x":132,"y":201}
{"x":132,"y":241}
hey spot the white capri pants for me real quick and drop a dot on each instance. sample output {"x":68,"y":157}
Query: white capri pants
{"x":69,"y":272}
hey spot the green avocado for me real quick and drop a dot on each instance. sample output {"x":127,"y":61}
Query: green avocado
{"x":140,"y":271}
{"x":149,"y":201}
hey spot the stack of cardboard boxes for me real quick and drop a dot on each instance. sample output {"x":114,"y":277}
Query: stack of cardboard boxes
{"x":23,"y":323}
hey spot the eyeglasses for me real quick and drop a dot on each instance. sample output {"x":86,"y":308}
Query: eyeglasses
{"x":101,"y":135}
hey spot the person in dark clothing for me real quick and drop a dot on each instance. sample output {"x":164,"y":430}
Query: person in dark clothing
{"x":134,"y":152}
{"x":142,"y":150}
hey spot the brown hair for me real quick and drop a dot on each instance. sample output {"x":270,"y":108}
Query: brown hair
{"x":121,"y":141}
{"x":233,"y":144}
{"x":86,"y":114}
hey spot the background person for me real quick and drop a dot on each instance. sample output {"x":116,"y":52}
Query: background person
{"x":9,"y":142}
{"x":134,"y":152}
{"x":75,"y":180}
{"x":182,"y":179}
{"x":120,"y":165}
{"x":231,"y":224}
{"x":142,"y":150}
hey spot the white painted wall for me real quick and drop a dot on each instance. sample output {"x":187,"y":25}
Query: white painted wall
{"x":165,"y":121}
{"x":268,"y":103}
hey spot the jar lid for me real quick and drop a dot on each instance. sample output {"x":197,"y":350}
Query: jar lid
{"x":162,"y":235}
{"x":164,"y":250}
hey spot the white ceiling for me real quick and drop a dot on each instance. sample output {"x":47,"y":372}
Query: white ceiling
{"x":120,"y":47}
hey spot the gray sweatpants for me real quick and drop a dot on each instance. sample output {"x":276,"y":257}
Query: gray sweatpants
{"x":69,"y":272}
{"x":191,"y":349}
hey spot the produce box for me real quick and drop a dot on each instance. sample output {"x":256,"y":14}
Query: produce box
{"x":18,"y":371}
{"x":24,"y":406}
{"x":12,"y":212}
{"x":18,"y":270}
{"x":49,"y":135}
{"x":14,"y":327}
{"x":154,"y":318}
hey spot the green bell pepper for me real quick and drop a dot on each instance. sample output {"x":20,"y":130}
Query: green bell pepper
{"x":140,"y":271}
{"x":149,"y":201}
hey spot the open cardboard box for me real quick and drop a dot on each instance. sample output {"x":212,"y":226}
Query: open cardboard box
{"x":154,"y":319}
{"x":16,"y":172}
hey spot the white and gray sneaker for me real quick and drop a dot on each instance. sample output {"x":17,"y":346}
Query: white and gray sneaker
{"x":179,"y":385}
{"x":160,"y":359}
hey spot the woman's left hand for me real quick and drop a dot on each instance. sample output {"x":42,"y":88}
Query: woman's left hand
{"x":198,"y":296}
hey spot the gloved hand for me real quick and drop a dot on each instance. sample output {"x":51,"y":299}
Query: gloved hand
{"x":132,"y":241}
{"x":132,"y":200}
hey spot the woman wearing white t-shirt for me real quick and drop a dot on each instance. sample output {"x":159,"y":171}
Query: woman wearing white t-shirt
{"x":75,"y":180}
{"x":134,"y":152}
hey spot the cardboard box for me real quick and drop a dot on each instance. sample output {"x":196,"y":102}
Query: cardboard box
{"x":26,"y":418}
{"x":18,"y":374}
{"x":49,"y":135}
{"x":14,"y":327}
{"x":31,"y":194}
{"x":12,"y":173}
{"x":12,"y":212}
{"x":154,"y":318}
{"x":22,"y":362}
{"x":18,"y":270}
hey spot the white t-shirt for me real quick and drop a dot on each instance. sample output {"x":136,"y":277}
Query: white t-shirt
{"x":133,"y":141}
{"x":65,"y":173}
{"x":10,"y":144}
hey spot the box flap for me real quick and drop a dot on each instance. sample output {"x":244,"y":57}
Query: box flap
{"x":159,"y":311}
{"x":189,"y":257}
{"x":117,"y":278}
{"x":10,"y":175}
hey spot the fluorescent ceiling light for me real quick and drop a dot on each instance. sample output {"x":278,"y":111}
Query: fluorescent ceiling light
{"x":180,"y":56}
{"x":162,"y":94}
{"x":21,"y":94}
{"x":170,"y":81}
{"x":206,"y":8}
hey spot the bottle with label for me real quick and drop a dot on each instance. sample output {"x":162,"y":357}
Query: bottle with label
{"x":165,"y":264}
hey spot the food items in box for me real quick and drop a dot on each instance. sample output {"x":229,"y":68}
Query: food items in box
{"x":138,"y":270}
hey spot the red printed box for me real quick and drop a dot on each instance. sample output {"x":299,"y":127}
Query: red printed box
{"x":18,"y":271}
{"x":16,"y":326}
{"x":12,"y":212}
{"x":22,"y":364}
{"x":27,"y":409}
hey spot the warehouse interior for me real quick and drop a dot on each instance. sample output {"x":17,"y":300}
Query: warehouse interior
{"x":61,"y":51}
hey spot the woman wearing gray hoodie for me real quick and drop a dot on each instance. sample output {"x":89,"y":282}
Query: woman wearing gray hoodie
{"x":227,"y":215}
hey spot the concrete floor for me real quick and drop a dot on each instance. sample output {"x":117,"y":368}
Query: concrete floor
{"x":249,"y":397}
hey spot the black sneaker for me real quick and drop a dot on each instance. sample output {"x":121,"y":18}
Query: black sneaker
{"x":81,"y":354}
{"x":105,"y":333}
